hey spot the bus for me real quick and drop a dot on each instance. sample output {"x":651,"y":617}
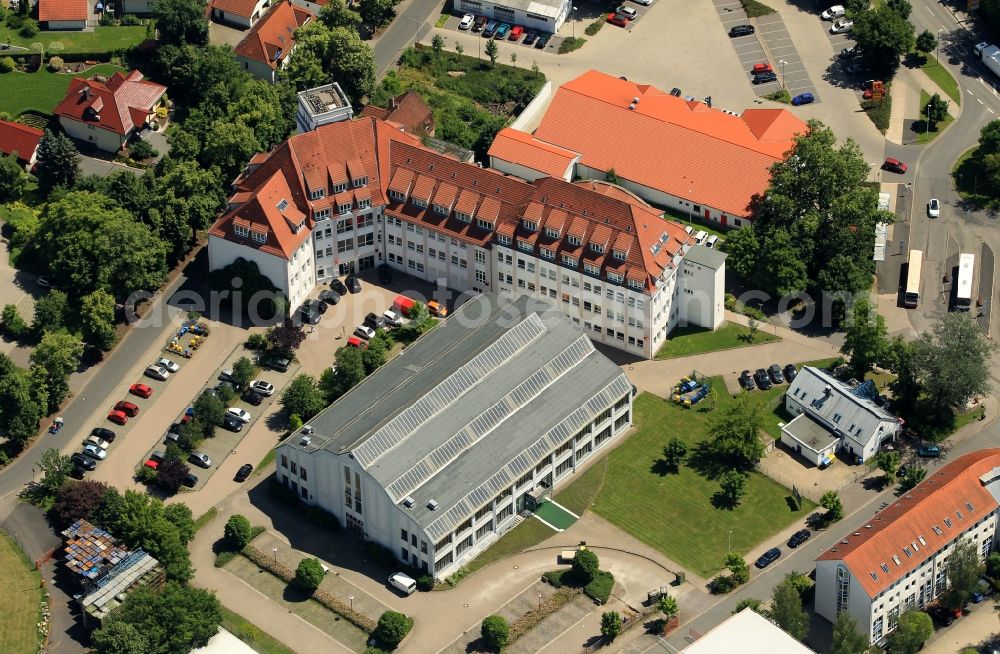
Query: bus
{"x":963,"y":282}
{"x":911,"y":295}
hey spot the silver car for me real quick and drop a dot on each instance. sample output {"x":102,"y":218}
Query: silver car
{"x":95,"y":452}
{"x":167,"y":364}
{"x":157,"y":372}
{"x":200,"y":459}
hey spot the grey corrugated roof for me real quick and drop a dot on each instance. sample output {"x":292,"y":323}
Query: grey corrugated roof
{"x":708,"y":257}
{"x":810,"y":386}
{"x":448,"y":414}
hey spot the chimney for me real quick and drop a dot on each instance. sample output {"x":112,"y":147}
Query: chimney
{"x":85,"y":92}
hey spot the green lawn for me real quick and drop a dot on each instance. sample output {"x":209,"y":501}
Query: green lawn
{"x":685,"y":341}
{"x":923,"y":134}
{"x":205,"y":518}
{"x":102,"y":39}
{"x":940,"y":75}
{"x":251,"y":634}
{"x":40,"y":91}
{"x":673,"y":512}
{"x":20,"y":601}
{"x":966,"y":173}
{"x":529,"y":533}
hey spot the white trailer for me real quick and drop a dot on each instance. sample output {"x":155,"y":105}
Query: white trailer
{"x":990,"y":56}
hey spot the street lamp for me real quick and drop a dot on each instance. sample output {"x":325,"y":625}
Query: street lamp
{"x":539,"y":601}
{"x":275,"y":551}
{"x":574,"y":22}
{"x":781,"y":62}
{"x":730,"y":542}
{"x":927,"y":121}
{"x":351,"y":597}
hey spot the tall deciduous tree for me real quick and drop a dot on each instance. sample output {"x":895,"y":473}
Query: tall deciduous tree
{"x":936,"y":110}
{"x":118,"y":637}
{"x":243,"y":371}
{"x":22,"y":404}
{"x":336,"y":13}
{"x":834,"y":506}
{"x":237,"y":532}
{"x":141,"y":521}
{"x":953,"y":362}
{"x":866,"y":338}
{"x":926,"y":41}
{"x":13,"y":180}
{"x":735,"y":433}
{"x":787,"y":611}
{"x":492,"y":51}
{"x":673,"y":453}
{"x":846,"y":637}
{"x":733,"y":485}
{"x":883,"y":35}
{"x":51,"y":311}
{"x":97,"y":318}
{"x":57,"y":355}
{"x":303,"y":397}
{"x":377,"y":13}
{"x":181,"y":22}
{"x":611,"y":624}
{"x":964,"y":570}
{"x":913,"y":629}
{"x":55,"y":469}
{"x":77,"y":500}
{"x":58,"y":161}
{"x":888,"y":462}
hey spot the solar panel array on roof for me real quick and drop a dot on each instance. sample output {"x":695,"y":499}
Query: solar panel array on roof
{"x":866,"y":390}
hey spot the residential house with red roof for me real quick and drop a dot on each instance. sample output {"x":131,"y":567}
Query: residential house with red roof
{"x":349,"y":196}
{"x":693,"y":158}
{"x":63,"y":14}
{"x":240,"y":13}
{"x":269,"y":44}
{"x":895,"y":561}
{"x":20,"y":139}
{"x":106,"y":115}
{"x":408,"y":110}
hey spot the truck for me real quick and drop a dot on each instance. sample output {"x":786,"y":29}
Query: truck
{"x":990,"y":56}
{"x":402,"y":305}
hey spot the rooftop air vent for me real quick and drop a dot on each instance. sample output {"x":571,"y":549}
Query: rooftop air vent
{"x":408,"y":501}
{"x":432,"y":505}
{"x":308,"y":429}
{"x":868,"y":526}
{"x":845,"y":541}
{"x":635,"y":100}
{"x":306,"y":440}
{"x":857,"y":533}
{"x":631,"y":107}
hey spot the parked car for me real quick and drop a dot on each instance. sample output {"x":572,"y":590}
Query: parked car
{"x":103,"y":433}
{"x":227,"y":376}
{"x":240,"y":414}
{"x":329,"y":296}
{"x":157,"y":456}
{"x":847,"y":53}
{"x":232,"y":423}
{"x":94,"y":452}
{"x":941,"y":615}
{"x":799,"y":537}
{"x":617,"y":19}
{"x":44,"y":282}
{"x":128,"y":408}
{"x":466,"y":22}
{"x":764,"y":78}
{"x":676,"y":92}
{"x":543,"y":40}
{"x":357,"y":342}
{"x":763,"y":381}
{"x":836,"y":11}
{"x":153,"y":465}
{"x":746,"y":381}
{"x":385,"y":274}
{"x":243,"y":472}
{"x":280,"y":364}
{"x":929,"y":452}
{"x":790,"y":373}
{"x":338,"y":286}
{"x":934,"y":208}
{"x":530,"y":36}
{"x":82,"y":462}
{"x":761,"y":68}
{"x":855,"y":67}
{"x":741,"y":30}
{"x":803,"y":98}
{"x":894,"y":166}
{"x":842,"y":26}
{"x":502,"y":31}
{"x":190,"y":480}
{"x":365,"y":332}
{"x":307,"y":316}
{"x":774,"y":372}
{"x":167,"y":365}
{"x":375,"y":321}
{"x":392,"y":319}
{"x":768,"y":557}
{"x":435,"y":308}
{"x":141,"y":390}
{"x":479,"y":23}
{"x":97,"y":442}
{"x":628,"y":12}
{"x":491,"y":29}
{"x":157,"y":372}
{"x":253,"y":398}
{"x":353,"y":284}
{"x":516,"y":32}
{"x":264,"y":388}
{"x":200,"y":459}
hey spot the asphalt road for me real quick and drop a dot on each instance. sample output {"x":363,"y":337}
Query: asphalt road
{"x":986,"y":268}
{"x":406,"y":29}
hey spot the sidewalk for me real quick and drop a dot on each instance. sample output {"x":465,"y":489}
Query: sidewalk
{"x":906,"y":101}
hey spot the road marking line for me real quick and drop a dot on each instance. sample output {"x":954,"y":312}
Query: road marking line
{"x":979,"y":101}
{"x":990,"y":110}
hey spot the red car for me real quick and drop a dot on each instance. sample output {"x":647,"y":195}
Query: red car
{"x":617,"y":19}
{"x":354,"y":341}
{"x":141,"y":390}
{"x":127,"y":408}
{"x":515,"y":33}
{"x":761,"y":68}
{"x":894,"y":166}
{"x":117,"y":417}
{"x":150,"y":463}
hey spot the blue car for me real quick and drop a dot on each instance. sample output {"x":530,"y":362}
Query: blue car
{"x":503,"y":31}
{"x":768,"y":557}
{"x":803,"y":98}
{"x":929,"y":452}
{"x":490,"y":29}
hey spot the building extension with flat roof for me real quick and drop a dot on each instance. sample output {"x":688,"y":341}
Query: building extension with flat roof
{"x":436,"y":454}
{"x":322,"y":105}
{"x":673,"y":152}
{"x":895,"y":561}
{"x":542,"y":15}
{"x":746,"y":632}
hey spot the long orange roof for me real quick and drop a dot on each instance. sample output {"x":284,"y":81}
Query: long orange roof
{"x":517,"y":147}
{"x":925,"y":520}
{"x":683,"y":148}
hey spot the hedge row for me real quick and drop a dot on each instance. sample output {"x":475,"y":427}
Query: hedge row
{"x":68,"y":57}
{"x":549,"y":605}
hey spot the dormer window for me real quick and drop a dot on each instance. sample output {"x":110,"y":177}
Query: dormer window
{"x":344,"y":208}
{"x":551,"y":233}
{"x":614,"y":277}
{"x":574,"y":240}
{"x":618,"y":254}
{"x":569,"y":261}
{"x":417,"y":202}
{"x":525,"y":246}
{"x":529,"y":225}
{"x":316,"y":193}
{"x":322,"y":214}
{"x":260,"y":237}
{"x":502,"y":239}
{"x":465,"y":218}
{"x":365,"y":203}
{"x":548,"y":254}
{"x":591,"y":269}
{"x":597,"y":247}
{"x":339,"y":188}
{"x":361,"y":181}
{"x":485,"y":224}
{"x":633,"y":284}
{"x":241,"y":231}
{"x":441,"y":209}
{"x":397,"y":196}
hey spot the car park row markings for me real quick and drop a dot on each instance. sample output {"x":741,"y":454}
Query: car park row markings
{"x":777,"y":42}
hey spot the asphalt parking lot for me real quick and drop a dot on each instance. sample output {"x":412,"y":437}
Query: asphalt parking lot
{"x":553,"y":45}
{"x":771,"y":44}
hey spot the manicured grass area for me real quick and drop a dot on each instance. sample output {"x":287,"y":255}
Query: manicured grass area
{"x":205,"y":518}
{"x":20,"y":600}
{"x":529,"y":533}
{"x":442,"y":19}
{"x":252,"y":635}
{"x":685,"y":219}
{"x":755,"y":9}
{"x":685,"y":341}
{"x":969,"y":182}
{"x":266,"y":461}
{"x":42,"y":90}
{"x":102,"y":39}
{"x":571,"y":43}
{"x":673,"y":512}
{"x":942,"y":78}
{"x":925,"y":135}
{"x":780,"y":96}
{"x":580,"y":493}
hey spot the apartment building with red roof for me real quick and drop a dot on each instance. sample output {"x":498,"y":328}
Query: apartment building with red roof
{"x":106,"y":115}
{"x":63,"y":14}
{"x":21,"y":139}
{"x":672,"y":152}
{"x":895,"y":560}
{"x":365,"y":193}
{"x":268,"y":46}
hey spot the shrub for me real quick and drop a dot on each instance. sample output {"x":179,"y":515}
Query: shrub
{"x":7,"y":64}
{"x":585,"y":566}
{"x":611,"y":624}
{"x":131,"y":20}
{"x":595,"y":27}
{"x":555,"y":577}
{"x":425,"y":583}
{"x":879,"y":113}
{"x":392,"y":628}
{"x":599,"y":588}
{"x":309,"y":574}
{"x":722,"y":584}
{"x":12,"y":323}
{"x":55,"y":63}
{"x":730,"y":302}
{"x":29,"y":28}
{"x":570,"y":44}
{"x":237,"y":532}
{"x":256,"y":342}
{"x":145,"y":475}
{"x":993,"y":564}
{"x":143,"y":150}
{"x":224,"y":557}
{"x":495,"y":631}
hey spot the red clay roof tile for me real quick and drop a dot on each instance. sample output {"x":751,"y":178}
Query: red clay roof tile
{"x":517,"y":147}
{"x":63,"y":10}
{"x":22,"y":139}
{"x":121,"y":105}
{"x":271,"y":38}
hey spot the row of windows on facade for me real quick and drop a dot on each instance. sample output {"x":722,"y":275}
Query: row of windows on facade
{"x":415,"y":246}
{"x":914,"y":547}
{"x":612,"y":294}
{"x":342,"y":208}
{"x":346,"y":245}
{"x":346,"y":225}
{"x":570,"y":261}
{"x":339,"y":187}
{"x":430,"y":233}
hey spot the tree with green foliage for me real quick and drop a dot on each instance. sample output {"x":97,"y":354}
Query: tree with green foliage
{"x":13,"y":180}
{"x":673,"y":453}
{"x":952,"y":361}
{"x":173,"y":619}
{"x":303,"y":397}
{"x":118,"y":637}
{"x":787,"y":611}
{"x":437,"y":44}
{"x":244,"y":371}
{"x":495,"y":631}
{"x":170,"y":474}
{"x":350,"y":370}
{"x":336,"y":13}
{"x":392,"y":628}
{"x":322,"y":52}
{"x":57,"y":356}
{"x":97,"y":319}
{"x":866,"y":337}
{"x":738,"y":567}
{"x":742,"y":247}
{"x":901,"y":7}
{"x":210,"y":411}
{"x":180,"y":516}
{"x":926,"y":42}
{"x":612,"y":177}
{"x":309,"y":574}
{"x":913,"y":629}
{"x":833,"y":505}
{"x":733,"y":486}
{"x":379,"y":13}
{"x":611,"y":625}
{"x":180,"y":22}
{"x":55,"y":469}
{"x":51,"y":311}
{"x":963,"y":570}
{"x":883,"y":35}
{"x":58,"y":161}
{"x":284,"y":339}
{"x":492,"y":51}
{"x":585,"y":566}
{"x":914,"y":475}
{"x":936,"y":111}
{"x":141,"y":521}
{"x":734,"y":433}
{"x":22,"y":402}
{"x":993,"y":565}
{"x":12,"y":323}
{"x":846,"y":637}
{"x":374,"y":355}
{"x":888,"y":462}
{"x":751,"y":603}
{"x":668,"y":606}
{"x":237,"y":532}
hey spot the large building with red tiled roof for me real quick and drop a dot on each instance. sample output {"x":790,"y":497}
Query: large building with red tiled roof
{"x":63,"y":14}
{"x":349,"y":196}
{"x":106,"y":115}
{"x":21,"y":139}
{"x":672,"y":152}
{"x":895,"y":560}
{"x":268,"y":46}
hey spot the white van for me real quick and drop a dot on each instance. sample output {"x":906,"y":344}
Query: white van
{"x":403,"y":583}
{"x":700,"y":236}
{"x":711,"y":241}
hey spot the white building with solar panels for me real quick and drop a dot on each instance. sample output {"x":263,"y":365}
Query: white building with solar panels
{"x":436,"y":454}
